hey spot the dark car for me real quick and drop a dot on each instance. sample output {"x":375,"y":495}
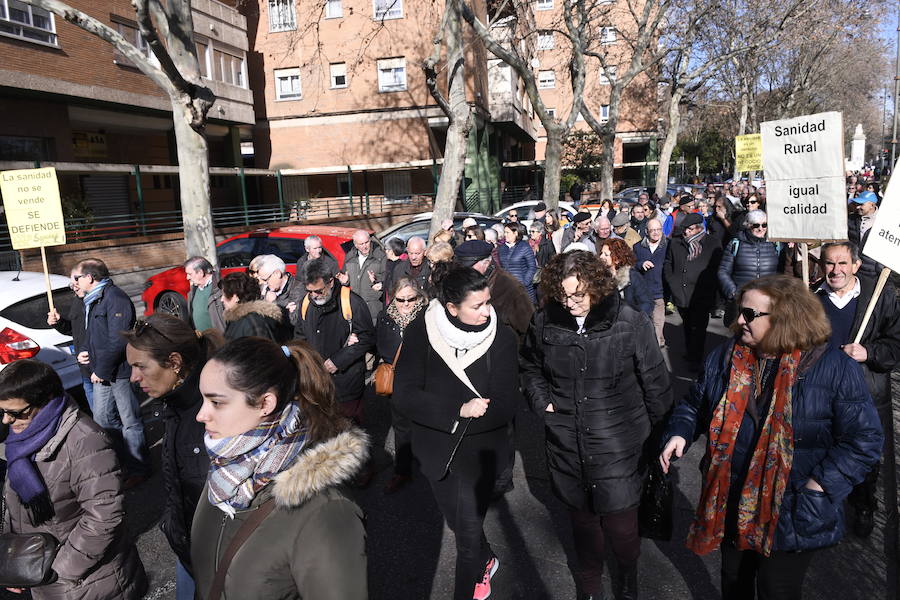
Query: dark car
{"x":420,"y":224}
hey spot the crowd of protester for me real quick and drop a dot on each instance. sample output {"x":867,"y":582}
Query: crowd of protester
{"x":264,"y":383}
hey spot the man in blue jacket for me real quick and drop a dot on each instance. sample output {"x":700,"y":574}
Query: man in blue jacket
{"x":108,"y":311}
{"x":650,"y":253}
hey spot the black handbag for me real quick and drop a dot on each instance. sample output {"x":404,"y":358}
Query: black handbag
{"x":26,"y":559}
{"x":655,"y":510}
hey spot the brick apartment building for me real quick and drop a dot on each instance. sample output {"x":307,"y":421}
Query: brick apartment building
{"x":67,"y":96}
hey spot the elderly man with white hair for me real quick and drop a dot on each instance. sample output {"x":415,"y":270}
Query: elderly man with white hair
{"x":278,"y":286}
{"x":313,"y":246}
{"x":364,"y":268}
{"x":415,"y":266}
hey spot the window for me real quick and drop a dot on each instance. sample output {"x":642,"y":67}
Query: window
{"x":343,"y":185}
{"x":132,"y":34}
{"x":203,"y":58}
{"x":287,"y":84}
{"x":604,"y":113}
{"x":397,"y":185}
{"x":282,"y":16}
{"x":388,"y":9}
{"x":545,"y":40}
{"x":391,"y":74}
{"x":543,"y":5}
{"x":333,"y":9}
{"x":20,"y":20}
{"x":338,"y":75}
{"x":228,"y":68}
{"x":607,"y":35}
{"x":546,"y":79}
{"x":236,"y":253}
{"x":551,"y":112}
{"x":606,"y":77}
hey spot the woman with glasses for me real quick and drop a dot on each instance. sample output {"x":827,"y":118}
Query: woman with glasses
{"x":791,"y":429}
{"x":245,"y":314}
{"x":409,"y":301}
{"x":748,"y":256}
{"x":63,"y":478}
{"x":166,"y":356}
{"x":592,"y":367}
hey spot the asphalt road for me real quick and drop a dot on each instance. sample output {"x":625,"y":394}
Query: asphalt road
{"x":411,"y":553}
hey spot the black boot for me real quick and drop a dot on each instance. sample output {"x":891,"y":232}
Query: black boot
{"x":625,"y":583}
{"x":864,"y":522}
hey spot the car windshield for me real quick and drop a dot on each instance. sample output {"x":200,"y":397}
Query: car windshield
{"x":236,"y":253}
{"x":32,"y":312}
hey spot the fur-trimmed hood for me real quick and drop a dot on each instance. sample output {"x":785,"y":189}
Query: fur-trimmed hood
{"x":260,"y":307}
{"x":328,"y":464}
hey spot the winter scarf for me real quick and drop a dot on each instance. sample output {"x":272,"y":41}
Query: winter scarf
{"x":23,"y":475}
{"x":770,"y":466}
{"x":92,"y":296}
{"x":403,"y":320}
{"x":456,"y":337}
{"x":694,"y":247}
{"x":240,"y":466}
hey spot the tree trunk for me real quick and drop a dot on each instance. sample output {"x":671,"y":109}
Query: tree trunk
{"x":665,"y":153}
{"x":552,"y":167}
{"x":608,"y":137}
{"x":193,"y":179}
{"x":460,"y":118}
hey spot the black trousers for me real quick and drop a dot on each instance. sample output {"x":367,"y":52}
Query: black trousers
{"x":464,"y":503}
{"x":402,"y":443}
{"x":748,"y":575}
{"x":695,"y":319}
{"x":591,"y":533}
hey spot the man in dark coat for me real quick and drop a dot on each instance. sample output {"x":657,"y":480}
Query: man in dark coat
{"x":692,"y":261}
{"x":364,"y":271}
{"x":313,"y":246}
{"x":650,"y":255}
{"x":73,"y":325}
{"x":343,"y":342}
{"x":845,"y":293}
{"x":205,"y":297}
{"x":109,"y":310}
{"x":415,"y":266}
{"x":280,"y":288}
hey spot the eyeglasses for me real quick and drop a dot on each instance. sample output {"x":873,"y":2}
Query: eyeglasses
{"x":17,"y":415}
{"x":266,"y":279}
{"x":75,"y":278}
{"x":252,"y":272}
{"x":406,"y":300}
{"x":577,"y":297}
{"x":759,"y":226}
{"x":140,"y":326}
{"x":321,"y":291}
{"x":752,"y":201}
{"x":513,"y":215}
{"x":751,"y":314}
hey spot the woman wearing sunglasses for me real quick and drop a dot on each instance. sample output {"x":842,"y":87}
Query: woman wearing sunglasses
{"x":409,"y":301}
{"x":791,"y":428}
{"x":748,"y":256}
{"x":63,"y":478}
{"x":166,"y":356}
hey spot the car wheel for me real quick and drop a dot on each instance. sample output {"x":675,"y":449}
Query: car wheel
{"x":174,"y":304}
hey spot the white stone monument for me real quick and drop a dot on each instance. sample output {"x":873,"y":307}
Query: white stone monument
{"x":857,"y":150}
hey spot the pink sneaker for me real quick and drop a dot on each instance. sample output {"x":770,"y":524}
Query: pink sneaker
{"x":483,"y":589}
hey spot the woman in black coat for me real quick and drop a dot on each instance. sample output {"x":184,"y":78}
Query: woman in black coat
{"x":592,"y":367}
{"x":408,"y":302}
{"x":166,"y":356}
{"x":245,"y":314}
{"x":457,"y":377}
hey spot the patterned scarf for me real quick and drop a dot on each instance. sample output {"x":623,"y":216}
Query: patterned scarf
{"x":694,"y":247}
{"x":242,"y":465}
{"x":403,"y":320}
{"x":770,"y":465}
{"x":21,"y":448}
{"x":92,"y":296}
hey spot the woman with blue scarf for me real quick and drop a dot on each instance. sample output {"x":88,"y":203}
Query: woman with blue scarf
{"x":63,"y":478}
{"x":279,"y":454}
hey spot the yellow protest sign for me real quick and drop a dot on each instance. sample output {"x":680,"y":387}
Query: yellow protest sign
{"x":33,"y":209}
{"x":748,"y":152}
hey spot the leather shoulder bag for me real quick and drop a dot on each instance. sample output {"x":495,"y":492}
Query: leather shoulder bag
{"x":384,"y":376}
{"x":27,"y":557}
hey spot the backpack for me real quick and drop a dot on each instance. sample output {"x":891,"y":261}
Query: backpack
{"x":735,"y":243}
{"x":346,"y":309}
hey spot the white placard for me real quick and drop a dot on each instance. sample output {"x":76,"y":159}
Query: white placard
{"x":883,"y":243}
{"x":803,"y":160}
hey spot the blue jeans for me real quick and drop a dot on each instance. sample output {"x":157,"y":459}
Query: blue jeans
{"x":184,"y":583}
{"x":116,"y":409}
{"x":88,"y":391}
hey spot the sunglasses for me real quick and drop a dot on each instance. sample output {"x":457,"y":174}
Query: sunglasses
{"x":751,"y":314}
{"x":406,"y":300}
{"x":759,"y":226}
{"x":140,"y":326}
{"x":513,"y":215}
{"x":320,"y":291}
{"x":75,"y":278}
{"x":17,"y":414}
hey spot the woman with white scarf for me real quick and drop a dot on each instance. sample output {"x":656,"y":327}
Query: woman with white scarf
{"x":457,"y":380}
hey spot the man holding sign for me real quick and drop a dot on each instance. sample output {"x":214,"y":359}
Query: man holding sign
{"x":845,"y":294}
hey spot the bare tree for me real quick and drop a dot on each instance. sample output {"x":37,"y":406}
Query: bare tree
{"x":509,"y":35}
{"x":168,"y":28}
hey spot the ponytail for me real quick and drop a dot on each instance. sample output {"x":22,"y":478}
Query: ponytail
{"x":315,"y":393}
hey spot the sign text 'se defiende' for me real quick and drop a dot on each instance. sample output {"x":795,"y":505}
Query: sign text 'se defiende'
{"x":33,"y":209}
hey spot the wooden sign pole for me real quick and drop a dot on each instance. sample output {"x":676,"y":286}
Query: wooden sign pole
{"x":47,"y":279}
{"x":804,"y":258}
{"x":882,"y":279}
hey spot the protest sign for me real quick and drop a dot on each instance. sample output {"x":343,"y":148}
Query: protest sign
{"x":803,"y":159}
{"x":883,"y":243}
{"x":33,"y":209}
{"x":748,"y":152}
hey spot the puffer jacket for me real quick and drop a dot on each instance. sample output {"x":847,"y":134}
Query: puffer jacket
{"x":312,"y":546}
{"x":521,"y":264}
{"x":185,"y":463}
{"x":96,"y":560}
{"x":746,"y":258}
{"x":258,"y":318}
{"x":837,"y":439}
{"x":609,"y":388}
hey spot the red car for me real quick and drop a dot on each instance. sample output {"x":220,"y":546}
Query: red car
{"x":167,"y":291}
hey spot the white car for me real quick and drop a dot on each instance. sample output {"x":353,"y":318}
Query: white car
{"x":24,"y":332}
{"x":526,"y":211}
